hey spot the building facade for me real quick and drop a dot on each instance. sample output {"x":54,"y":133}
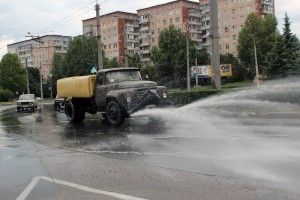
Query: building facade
{"x":232,"y":15}
{"x":119,"y":33}
{"x":39,"y":52}
{"x":184,"y":15}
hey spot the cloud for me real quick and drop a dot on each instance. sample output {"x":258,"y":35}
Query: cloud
{"x":4,"y":41}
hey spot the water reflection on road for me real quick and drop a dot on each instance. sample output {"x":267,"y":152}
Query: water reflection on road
{"x":250,"y":134}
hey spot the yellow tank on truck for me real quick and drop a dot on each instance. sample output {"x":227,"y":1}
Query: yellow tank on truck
{"x":78,"y":86}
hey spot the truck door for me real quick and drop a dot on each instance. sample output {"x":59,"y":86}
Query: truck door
{"x":100,"y":90}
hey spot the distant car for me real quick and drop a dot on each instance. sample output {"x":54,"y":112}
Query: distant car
{"x":27,"y":101}
{"x":58,"y":102}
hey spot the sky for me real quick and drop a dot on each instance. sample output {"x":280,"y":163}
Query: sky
{"x":64,"y":17}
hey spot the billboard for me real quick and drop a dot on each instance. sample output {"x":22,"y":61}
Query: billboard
{"x":205,"y":71}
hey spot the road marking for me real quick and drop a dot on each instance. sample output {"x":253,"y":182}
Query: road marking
{"x":35,"y":181}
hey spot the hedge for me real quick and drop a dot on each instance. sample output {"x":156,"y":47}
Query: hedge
{"x":5,"y":95}
{"x":184,"y":97}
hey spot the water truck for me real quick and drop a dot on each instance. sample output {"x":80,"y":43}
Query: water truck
{"x":116,"y":93}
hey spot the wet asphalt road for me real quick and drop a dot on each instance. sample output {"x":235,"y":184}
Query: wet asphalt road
{"x":206,"y":150}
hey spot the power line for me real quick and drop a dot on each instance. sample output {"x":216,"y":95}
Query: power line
{"x":68,"y":18}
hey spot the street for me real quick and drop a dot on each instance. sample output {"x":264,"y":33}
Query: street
{"x":240,"y":145}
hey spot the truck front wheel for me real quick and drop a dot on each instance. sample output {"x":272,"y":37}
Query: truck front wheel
{"x":114,"y":114}
{"x":74,"y":113}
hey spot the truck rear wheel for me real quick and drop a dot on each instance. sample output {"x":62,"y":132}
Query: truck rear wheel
{"x":74,"y":113}
{"x":114,"y":114}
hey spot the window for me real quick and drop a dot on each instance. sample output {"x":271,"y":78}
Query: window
{"x":227,"y":46}
{"x":234,"y":37}
{"x":177,"y":19}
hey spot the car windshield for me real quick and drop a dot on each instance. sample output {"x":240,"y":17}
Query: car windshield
{"x":26,"y":97}
{"x":120,"y":76}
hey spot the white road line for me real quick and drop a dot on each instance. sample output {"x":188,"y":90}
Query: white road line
{"x":28,"y":189}
{"x":35,"y":180}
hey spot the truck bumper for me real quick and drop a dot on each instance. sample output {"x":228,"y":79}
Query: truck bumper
{"x":148,"y":99}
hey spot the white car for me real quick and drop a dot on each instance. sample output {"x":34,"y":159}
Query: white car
{"x":27,"y":101}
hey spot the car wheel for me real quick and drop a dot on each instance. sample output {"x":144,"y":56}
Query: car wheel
{"x":74,"y":113}
{"x":114,"y":114}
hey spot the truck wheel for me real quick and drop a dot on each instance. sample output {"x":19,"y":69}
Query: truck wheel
{"x":74,"y":113}
{"x":114,"y":114}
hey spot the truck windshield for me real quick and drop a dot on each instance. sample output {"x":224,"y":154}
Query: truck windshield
{"x":120,"y":76}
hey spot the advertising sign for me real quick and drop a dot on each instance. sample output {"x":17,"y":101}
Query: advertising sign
{"x":205,"y":71}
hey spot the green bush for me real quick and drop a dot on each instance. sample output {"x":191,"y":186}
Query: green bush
{"x":184,"y":97}
{"x":5,"y":95}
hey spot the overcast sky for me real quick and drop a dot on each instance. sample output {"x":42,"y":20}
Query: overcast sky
{"x":63,"y":17}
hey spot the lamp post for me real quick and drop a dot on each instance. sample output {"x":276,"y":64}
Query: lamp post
{"x":255,"y":53}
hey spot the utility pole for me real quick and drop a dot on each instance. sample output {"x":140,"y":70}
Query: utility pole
{"x":215,"y":57}
{"x":100,"y":56}
{"x":188,"y":64}
{"x":125,"y":46}
{"x":256,"y":63}
{"x":41,"y":83}
{"x":196,"y":63}
{"x":27,"y":76}
{"x":50,"y":75}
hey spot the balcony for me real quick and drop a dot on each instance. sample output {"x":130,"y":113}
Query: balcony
{"x":132,"y":25}
{"x":267,"y":11}
{"x":145,"y":51}
{"x":267,"y":2}
{"x":194,"y":15}
{"x":144,"y":44}
{"x":142,"y":21}
{"x":146,"y":28}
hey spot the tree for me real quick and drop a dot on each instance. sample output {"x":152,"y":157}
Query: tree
{"x":13,"y":75}
{"x":34,"y":80}
{"x":113,"y":63}
{"x":261,"y":32}
{"x":134,"y":60}
{"x":170,"y":55}
{"x":81,"y":56}
{"x":292,"y":47}
{"x":285,"y":54}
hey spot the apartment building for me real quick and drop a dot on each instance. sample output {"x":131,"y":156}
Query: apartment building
{"x":39,"y":51}
{"x":184,"y":15}
{"x":119,"y":33}
{"x":231,"y":15}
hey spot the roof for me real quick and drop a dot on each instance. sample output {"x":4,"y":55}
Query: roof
{"x":116,"y":12}
{"x":167,"y":4}
{"x":39,"y":37}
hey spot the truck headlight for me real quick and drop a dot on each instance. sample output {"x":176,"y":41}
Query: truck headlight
{"x":164,"y":95}
{"x":128,"y":99}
